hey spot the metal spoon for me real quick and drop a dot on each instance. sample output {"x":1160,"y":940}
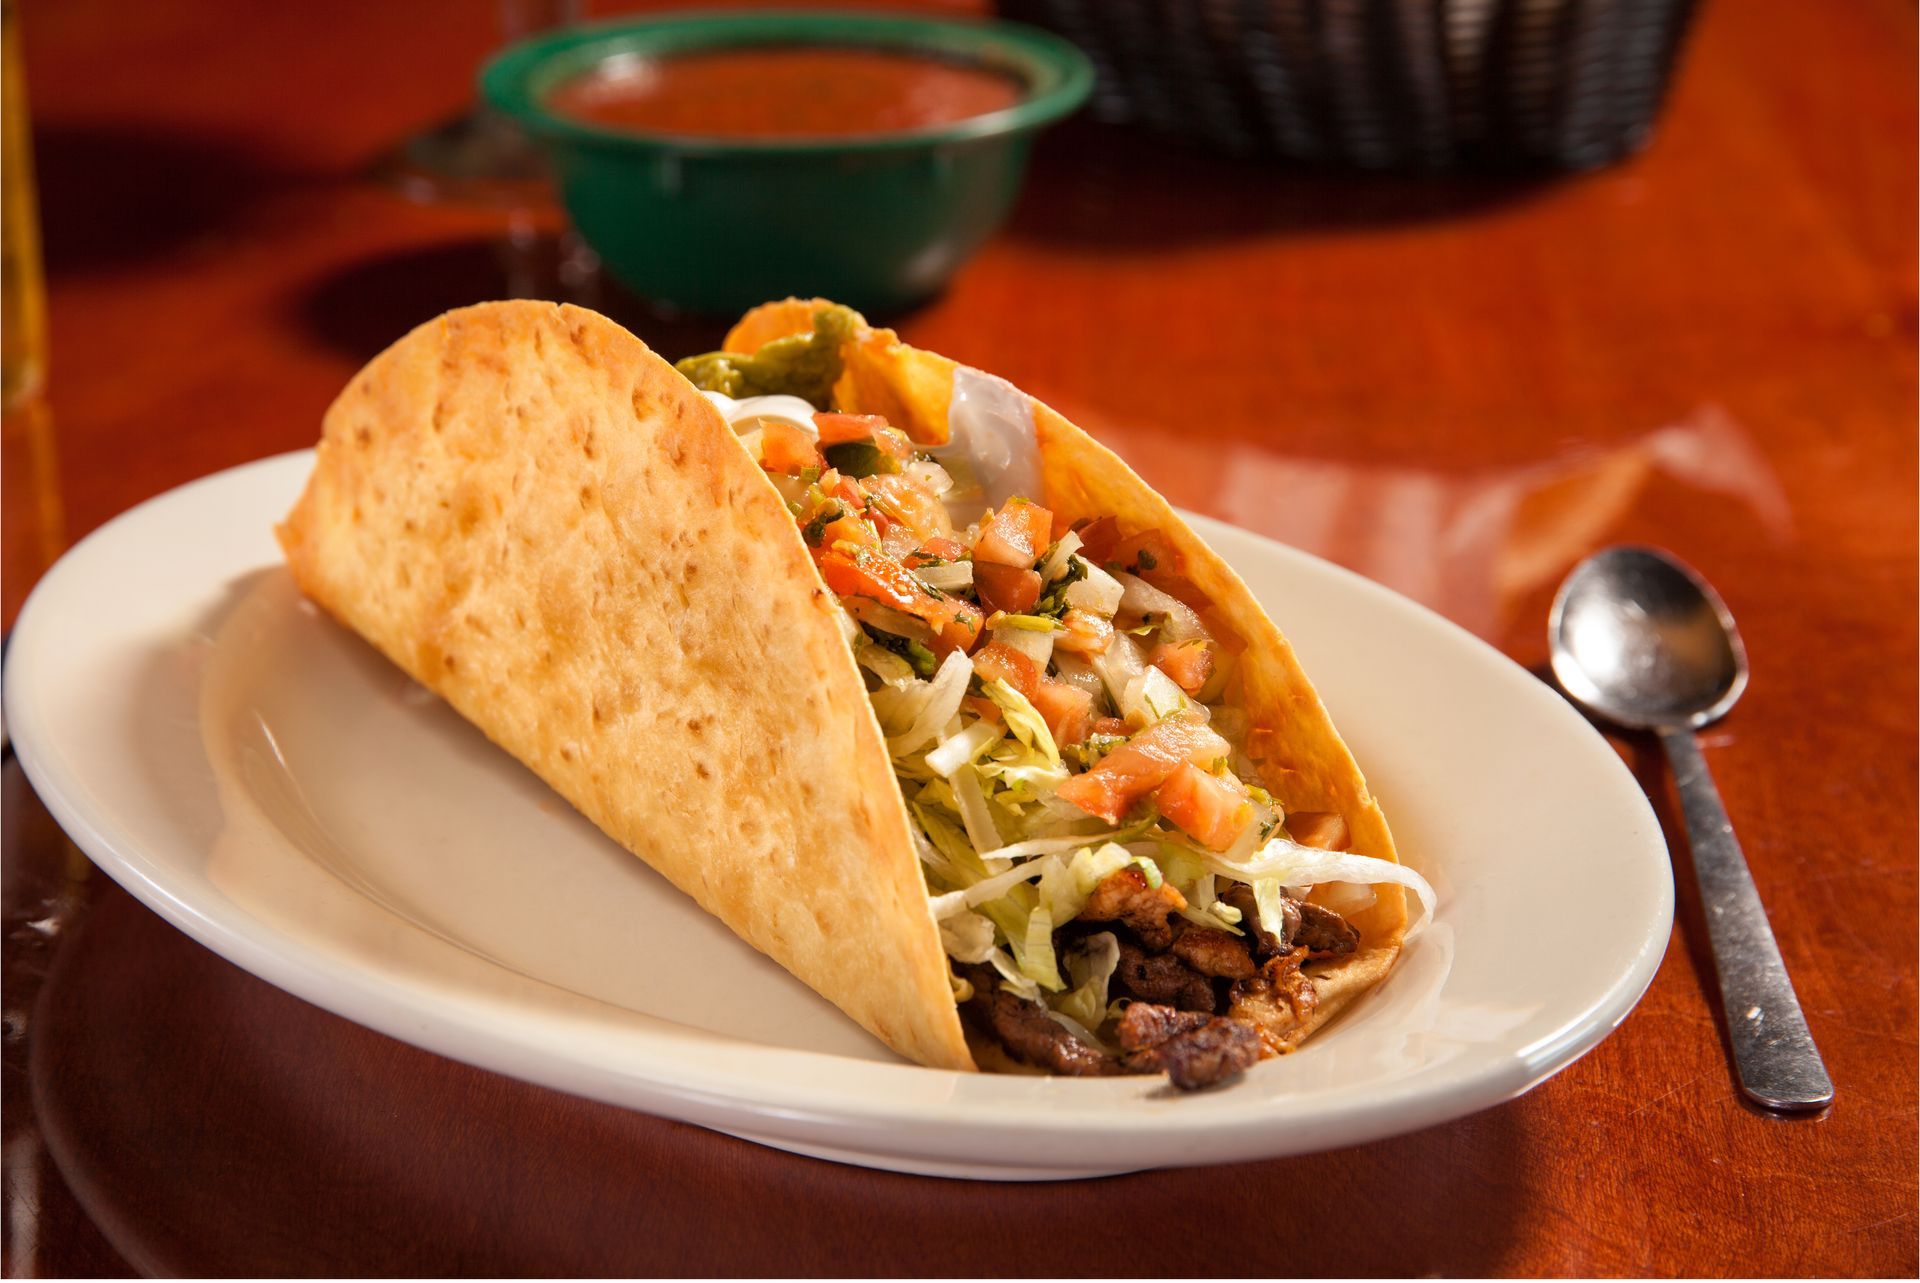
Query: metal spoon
{"x":1642,"y":641}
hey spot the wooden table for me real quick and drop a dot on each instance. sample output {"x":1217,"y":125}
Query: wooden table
{"x":1460,"y":387}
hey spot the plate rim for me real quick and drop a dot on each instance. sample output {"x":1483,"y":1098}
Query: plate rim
{"x":806,"y":1114}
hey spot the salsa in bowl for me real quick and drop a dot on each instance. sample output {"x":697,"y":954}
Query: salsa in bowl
{"x":714,"y":160}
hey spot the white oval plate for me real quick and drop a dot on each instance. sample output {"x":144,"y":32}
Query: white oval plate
{"x":270,"y":785}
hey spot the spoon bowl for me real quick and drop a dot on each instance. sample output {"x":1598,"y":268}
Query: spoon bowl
{"x":1645,"y":642}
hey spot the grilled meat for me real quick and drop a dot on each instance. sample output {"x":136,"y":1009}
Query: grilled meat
{"x":1029,"y":1034}
{"x":1161,"y":977}
{"x":1214,"y":953}
{"x":1148,"y":1024}
{"x":1203,"y":1056}
{"x":1124,"y":897}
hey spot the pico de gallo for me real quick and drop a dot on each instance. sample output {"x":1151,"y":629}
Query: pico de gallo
{"x":1116,"y":891}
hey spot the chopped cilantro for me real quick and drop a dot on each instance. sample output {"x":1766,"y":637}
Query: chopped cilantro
{"x":924,"y":664}
{"x":816,"y":529}
{"x":1053,"y":603}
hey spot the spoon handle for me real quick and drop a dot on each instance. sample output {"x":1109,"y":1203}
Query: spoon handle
{"x":1773,"y":1050}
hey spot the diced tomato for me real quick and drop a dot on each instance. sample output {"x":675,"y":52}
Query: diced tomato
{"x":845,"y":489}
{"x":1007,"y":588}
{"x":1323,"y":829}
{"x":961,"y":631}
{"x":1152,"y":556}
{"x":786,"y":449}
{"x":1110,"y":725}
{"x":955,"y":624}
{"x":939,"y":548}
{"x":1146,"y":552}
{"x":894,"y":442}
{"x":1000,"y":661}
{"x":984,"y":708}
{"x":1014,"y":536}
{"x":1141,"y":765}
{"x":1067,"y":709}
{"x":907,"y":501}
{"x":883,"y":580}
{"x":1086,"y":634}
{"x":838,"y":429}
{"x":1188,"y":663}
{"x":1097,"y":538}
{"x":1210,"y":810}
{"x":849,"y":529}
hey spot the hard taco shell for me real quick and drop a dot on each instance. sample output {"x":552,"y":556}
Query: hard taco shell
{"x":538,"y":519}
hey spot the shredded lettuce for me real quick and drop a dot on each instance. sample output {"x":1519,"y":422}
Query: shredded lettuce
{"x":1288,"y":863}
{"x":1090,"y":968}
{"x":1024,"y":720}
{"x":971,"y":802}
{"x":1012,"y":979}
{"x":1021,"y":780}
{"x":939,"y":704}
{"x":951,"y":843}
{"x":968,"y":937}
{"x":1037,"y":959}
{"x":956,"y":751}
{"x":1268,"y":898}
{"x":893,"y":671}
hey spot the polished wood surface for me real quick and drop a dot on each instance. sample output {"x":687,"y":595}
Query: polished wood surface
{"x":1457,"y":387}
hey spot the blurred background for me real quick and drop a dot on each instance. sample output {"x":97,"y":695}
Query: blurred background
{"x":1495,"y":242}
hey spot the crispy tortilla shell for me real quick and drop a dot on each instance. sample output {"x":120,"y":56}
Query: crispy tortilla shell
{"x":540,"y":521}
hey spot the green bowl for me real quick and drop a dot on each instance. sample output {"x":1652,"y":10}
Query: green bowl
{"x":712,"y":225}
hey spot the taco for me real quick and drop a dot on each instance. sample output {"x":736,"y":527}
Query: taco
{"x":909,"y":681}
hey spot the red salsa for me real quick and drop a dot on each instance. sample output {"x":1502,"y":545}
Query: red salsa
{"x":783,"y":92}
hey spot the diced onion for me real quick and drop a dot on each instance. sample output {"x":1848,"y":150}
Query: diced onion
{"x":1151,"y":697}
{"x":1078,"y":673}
{"x":1055,"y":564}
{"x":1036,"y":646}
{"x":948,"y":578}
{"x":889,"y":620}
{"x":1099,"y":593}
{"x":1118,"y":665}
{"x":931,"y":475}
{"x":1142,"y":598}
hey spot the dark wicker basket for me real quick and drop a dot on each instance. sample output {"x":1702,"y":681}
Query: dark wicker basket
{"x":1382,"y":84}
